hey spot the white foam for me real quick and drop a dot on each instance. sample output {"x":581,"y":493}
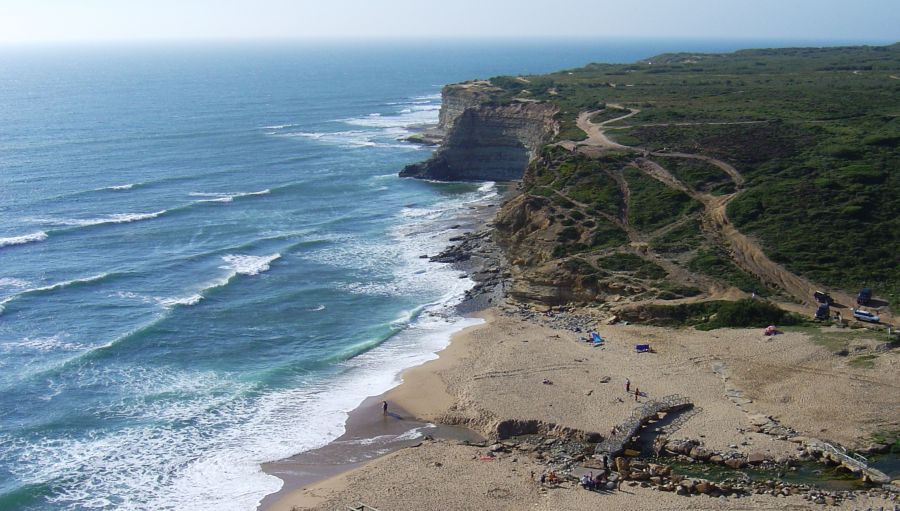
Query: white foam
{"x":120,"y":187}
{"x":41,"y":344}
{"x":277,"y":126}
{"x":167,"y":302}
{"x":193,"y":299}
{"x":227,"y":197}
{"x":349,"y":139}
{"x":21,"y":240}
{"x":13,"y":283}
{"x":249,"y":264}
{"x":117,"y":218}
{"x":214,"y":464}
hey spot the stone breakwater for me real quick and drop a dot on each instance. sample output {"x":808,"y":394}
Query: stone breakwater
{"x":484,"y":141}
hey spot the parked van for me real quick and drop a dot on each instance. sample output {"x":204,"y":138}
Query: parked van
{"x":862,"y":315}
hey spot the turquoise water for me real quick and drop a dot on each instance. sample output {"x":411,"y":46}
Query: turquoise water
{"x":207,"y":260}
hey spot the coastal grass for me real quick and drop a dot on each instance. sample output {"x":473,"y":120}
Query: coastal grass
{"x":835,"y":341}
{"x":863,"y":362}
{"x":681,"y":238}
{"x":710,"y":315}
{"x":654,"y":204}
{"x":814,"y":131}
{"x":714,"y":263}
{"x":698,"y":174}
{"x":633,"y":264}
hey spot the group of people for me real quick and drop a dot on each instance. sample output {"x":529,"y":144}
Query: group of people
{"x":548,"y":477}
{"x":590,"y":482}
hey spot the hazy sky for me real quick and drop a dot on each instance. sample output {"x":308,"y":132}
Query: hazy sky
{"x":91,"y":20}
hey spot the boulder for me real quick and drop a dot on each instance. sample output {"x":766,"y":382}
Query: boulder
{"x":705,"y":487}
{"x":756,"y":458}
{"x":736,"y":463}
{"x":700,"y":453}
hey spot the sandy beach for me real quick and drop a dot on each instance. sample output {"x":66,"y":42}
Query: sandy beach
{"x":491,"y":379}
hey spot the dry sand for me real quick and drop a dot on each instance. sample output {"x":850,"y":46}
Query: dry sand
{"x":493,"y":373}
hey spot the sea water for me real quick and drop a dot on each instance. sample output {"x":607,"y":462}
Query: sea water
{"x":207,"y":258}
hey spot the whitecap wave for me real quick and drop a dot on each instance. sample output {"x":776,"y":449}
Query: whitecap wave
{"x":117,"y":218}
{"x":52,"y":287}
{"x":21,"y":240}
{"x":165,"y":301}
{"x":214,"y":464}
{"x":349,"y":139}
{"x":227,"y":197}
{"x":249,"y":264}
{"x":193,"y":299}
{"x":120,"y":187}
{"x":277,"y":126}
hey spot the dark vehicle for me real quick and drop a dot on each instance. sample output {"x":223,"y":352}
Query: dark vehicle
{"x":864,"y":296}
{"x":823,"y":312}
{"x":823,"y":297}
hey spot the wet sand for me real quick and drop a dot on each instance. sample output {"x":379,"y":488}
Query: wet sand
{"x":370,"y":433}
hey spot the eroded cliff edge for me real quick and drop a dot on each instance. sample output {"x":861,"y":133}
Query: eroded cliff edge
{"x":485,"y":140}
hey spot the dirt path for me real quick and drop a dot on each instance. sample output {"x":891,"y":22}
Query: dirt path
{"x":736,"y":176}
{"x":640,"y":247}
{"x":744,"y":251}
{"x":596,"y":132}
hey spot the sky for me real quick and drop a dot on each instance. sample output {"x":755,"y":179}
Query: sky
{"x":26,"y":21}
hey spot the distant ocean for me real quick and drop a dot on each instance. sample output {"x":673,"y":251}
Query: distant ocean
{"x":207,"y":258}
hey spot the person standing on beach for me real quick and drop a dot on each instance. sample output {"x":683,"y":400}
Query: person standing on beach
{"x":384,"y":407}
{"x":636,"y":393}
{"x":627,"y":385}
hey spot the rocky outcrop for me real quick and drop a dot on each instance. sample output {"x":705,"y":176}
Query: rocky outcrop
{"x":485,"y":141}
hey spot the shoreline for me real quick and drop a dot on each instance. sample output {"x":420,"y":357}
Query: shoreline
{"x":420,"y":394}
{"x":489,"y":379}
{"x":366,"y":437}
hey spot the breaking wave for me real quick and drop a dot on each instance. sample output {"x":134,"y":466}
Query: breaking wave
{"x":21,"y":240}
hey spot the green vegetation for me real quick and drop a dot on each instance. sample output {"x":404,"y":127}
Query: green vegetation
{"x":654,"y":204}
{"x":715,"y":263}
{"x":634,"y":264}
{"x":721,"y":314}
{"x":669,"y":291}
{"x":863,"y":362}
{"x":889,"y":438}
{"x":835,"y":341}
{"x":815,"y":132}
{"x":698,"y":174}
{"x":682,"y":238}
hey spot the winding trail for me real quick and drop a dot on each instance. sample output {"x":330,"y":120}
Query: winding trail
{"x":744,"y":251}
{"x":596,"y":132}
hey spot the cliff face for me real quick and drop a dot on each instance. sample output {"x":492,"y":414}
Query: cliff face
{"x":483,"y":141}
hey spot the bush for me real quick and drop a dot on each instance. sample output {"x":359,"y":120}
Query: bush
{"x":747,"y":312}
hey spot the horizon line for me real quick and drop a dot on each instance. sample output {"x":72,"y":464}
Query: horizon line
{"x":439,"y":39}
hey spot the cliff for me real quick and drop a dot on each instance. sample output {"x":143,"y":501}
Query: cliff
{"x":483,"y":140}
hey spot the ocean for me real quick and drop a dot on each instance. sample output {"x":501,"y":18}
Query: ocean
{"x":207,"y":258}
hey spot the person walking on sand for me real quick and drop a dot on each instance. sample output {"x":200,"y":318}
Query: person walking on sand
{"x":384,"y":407}
{"x":627,"y":385}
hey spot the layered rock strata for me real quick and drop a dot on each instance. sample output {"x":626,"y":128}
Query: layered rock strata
{"x":485,"y":141}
